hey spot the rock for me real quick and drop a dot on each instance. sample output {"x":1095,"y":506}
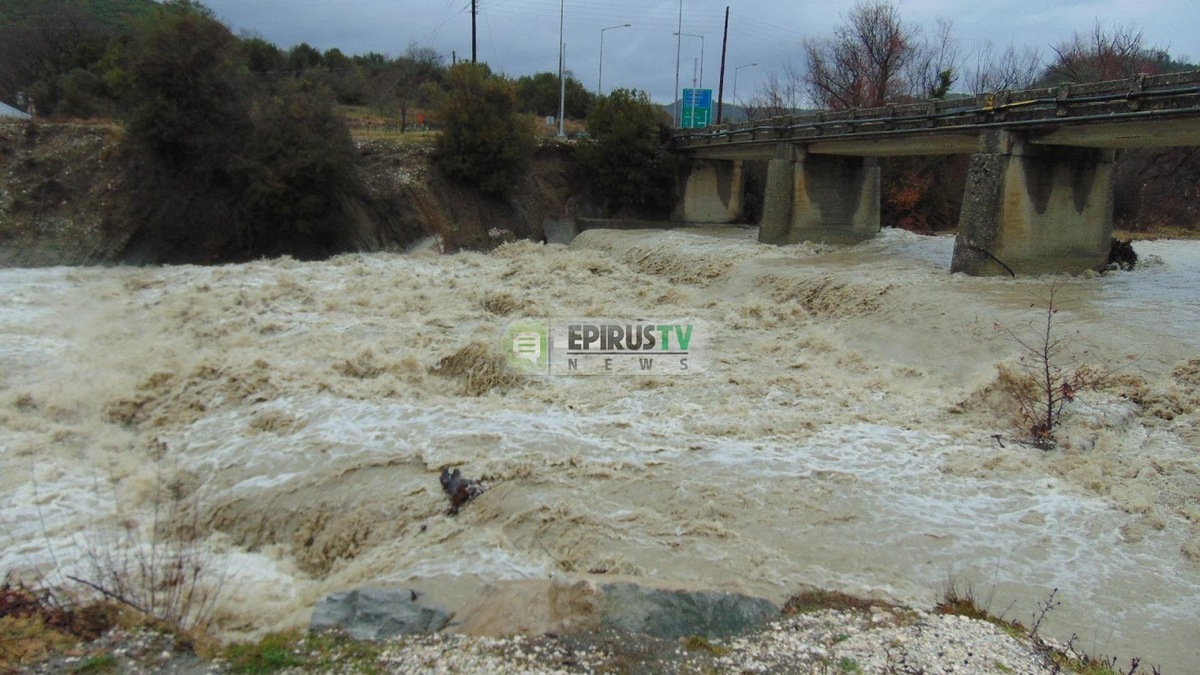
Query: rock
{"x":377,"y":614}
{"x":682,"y":613}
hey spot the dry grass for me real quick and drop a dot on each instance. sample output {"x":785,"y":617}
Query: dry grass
{"x":480,"y":368}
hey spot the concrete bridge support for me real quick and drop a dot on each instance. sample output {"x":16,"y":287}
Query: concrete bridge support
{"x":821,"y":198}
{"x":1033,"y":209}
{"x":712,"y":192}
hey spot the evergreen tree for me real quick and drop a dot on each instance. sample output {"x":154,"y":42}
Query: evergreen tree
{"x":625,"y":156}
{"x":484,"y":141}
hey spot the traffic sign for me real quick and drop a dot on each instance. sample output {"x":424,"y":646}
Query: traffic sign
{"x":697,"y":108}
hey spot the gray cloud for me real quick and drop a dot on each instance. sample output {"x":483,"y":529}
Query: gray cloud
{"x":520,"y":37}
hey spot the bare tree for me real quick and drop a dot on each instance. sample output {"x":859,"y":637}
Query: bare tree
{"x":779,"y":94}
{"x":1013,"y":69}
{"x":865,"y":62}
{"x":937,"y":64}
{"x":1106,"y":55}
{"x":402,"y":83}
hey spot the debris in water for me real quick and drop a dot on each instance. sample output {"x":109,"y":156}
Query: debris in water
{"x":1121,"y":255}
{"x":460,"y":490}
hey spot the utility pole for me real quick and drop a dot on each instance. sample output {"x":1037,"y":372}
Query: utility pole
{"x":721,"y":82}
{"x":474,"y":13}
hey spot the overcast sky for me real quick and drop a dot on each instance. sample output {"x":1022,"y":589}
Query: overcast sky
{"x":521,"y":37}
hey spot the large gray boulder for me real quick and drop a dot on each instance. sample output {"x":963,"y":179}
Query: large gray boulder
{"x":682,"y":613}
{"x":377,"y":614}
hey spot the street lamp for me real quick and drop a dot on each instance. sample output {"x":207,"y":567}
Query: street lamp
{"x":701,"y":55}
{"x":678,"y":48}
{"x":735,"y":74}
{"x":562,"y":84}
{"x":600,"y":80}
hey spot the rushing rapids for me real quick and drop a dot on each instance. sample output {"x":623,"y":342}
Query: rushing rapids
{"x":850,"y":428}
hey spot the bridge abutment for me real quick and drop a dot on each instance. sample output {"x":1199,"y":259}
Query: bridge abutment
{"x":712,"y":192}
{"x":1033,"y":209}
{"x":821,"y":198}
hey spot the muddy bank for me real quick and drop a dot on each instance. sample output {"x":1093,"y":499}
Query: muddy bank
{"x":64,"y":192}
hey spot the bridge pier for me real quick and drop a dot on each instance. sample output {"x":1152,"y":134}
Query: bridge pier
{"x":1033,"y":209}
{"x":712,"y":192}
{"x":820,"y":198}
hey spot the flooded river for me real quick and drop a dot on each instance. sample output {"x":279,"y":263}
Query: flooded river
{"x":848,"y":431}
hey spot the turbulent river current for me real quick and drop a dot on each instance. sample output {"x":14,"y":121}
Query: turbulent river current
{"x":850,"y":428}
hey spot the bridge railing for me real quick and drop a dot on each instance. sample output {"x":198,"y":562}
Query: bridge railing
{"x":1142,"y":96}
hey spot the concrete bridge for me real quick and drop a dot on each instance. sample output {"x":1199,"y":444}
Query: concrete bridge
{"x":1039,"y":187}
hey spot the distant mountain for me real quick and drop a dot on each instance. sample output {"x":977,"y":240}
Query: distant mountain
{"x":112,"y":13}
{"x":730,"y":112}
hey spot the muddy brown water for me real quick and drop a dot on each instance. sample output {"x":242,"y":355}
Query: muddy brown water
{"x":846,"y":433}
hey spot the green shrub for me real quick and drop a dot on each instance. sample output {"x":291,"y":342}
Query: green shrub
{"x":625,"y":157}
{"x":485,"y":140}
{"x":222,"y":168}
{"x":188,"y":124}
{"x":301,"y":169}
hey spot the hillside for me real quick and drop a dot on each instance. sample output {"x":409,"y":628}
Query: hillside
{"x":64,"y":196}
{"x":111,"y":13}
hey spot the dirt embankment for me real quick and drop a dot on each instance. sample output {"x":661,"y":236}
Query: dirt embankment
{"x":63,"y":196}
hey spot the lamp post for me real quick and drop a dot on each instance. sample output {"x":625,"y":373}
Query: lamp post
{"x":600,"y":80}
{"x":678,"y":46}
{"x":701,"y":55}
{"x":735,"y":74}
{"x":562,"y":84}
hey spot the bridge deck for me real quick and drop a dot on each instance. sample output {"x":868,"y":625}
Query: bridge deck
{"x":1145,"y":111}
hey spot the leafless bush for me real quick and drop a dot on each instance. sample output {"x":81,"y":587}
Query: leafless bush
{"x":157,"y":569}
{"x":1042,"y":385}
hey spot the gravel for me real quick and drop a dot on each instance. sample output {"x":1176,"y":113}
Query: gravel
{"x":879,"y":640}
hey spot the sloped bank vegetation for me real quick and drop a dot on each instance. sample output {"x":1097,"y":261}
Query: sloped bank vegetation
{"x":226,"y":149}
{"x":253,"y":156}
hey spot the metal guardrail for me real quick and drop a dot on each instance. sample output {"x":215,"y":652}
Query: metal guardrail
{"x":1141,"y":97}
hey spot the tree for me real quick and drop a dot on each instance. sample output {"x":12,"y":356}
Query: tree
{"x":539,"y":95}
{"x":484,"y":139}
{"x":1015,"y":69}
{"x":189,"y":123}
{"x":1105,"y":55}
{"x":420,"y":66}
{"x":864,"y":63}
{"x":624,"y":156}
{"x":937,"y":63}
{"x":189,"y":110}
{"x":262,"y":57}
{"x":222,"y":167}
{"x":37,"y":52}
{"x":304,"y":57}
{"x":300,"y":169}
{"x":779,"y":94}
{"x":1154,"y":187}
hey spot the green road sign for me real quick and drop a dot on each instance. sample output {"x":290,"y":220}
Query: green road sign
{"x":697,"y":108}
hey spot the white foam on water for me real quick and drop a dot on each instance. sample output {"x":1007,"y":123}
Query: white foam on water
{"x":843,"y":435}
